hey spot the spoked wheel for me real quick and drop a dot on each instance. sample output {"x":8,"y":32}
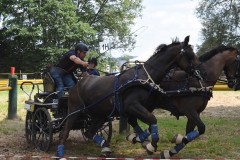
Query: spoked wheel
{"x":84,"y":128}
{"x":42,"y":131}
{"x":105,"y":131}
{"x":28,"y":127}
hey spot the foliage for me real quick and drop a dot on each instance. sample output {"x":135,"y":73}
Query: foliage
{"x":220,"y":20}
{"x":36,"y":33}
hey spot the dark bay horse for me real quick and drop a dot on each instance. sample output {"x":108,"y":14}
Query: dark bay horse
{"x":188,"y":96}
{"x":125,"y":94}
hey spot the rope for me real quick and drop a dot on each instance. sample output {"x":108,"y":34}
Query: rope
{"x":152,"y":83}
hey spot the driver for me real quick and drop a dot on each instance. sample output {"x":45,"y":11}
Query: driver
{"x":62,"y":72}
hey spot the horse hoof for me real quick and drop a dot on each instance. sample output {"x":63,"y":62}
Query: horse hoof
{"x":165,"y":155}
{"x":106,"y":151}
{"x":177,"y":139}
{"x":144,"y":143}
{"x":105,"y":154}
{"x":132,"y":138}
{"x":149,"y":152}
{"x":150,"y":148}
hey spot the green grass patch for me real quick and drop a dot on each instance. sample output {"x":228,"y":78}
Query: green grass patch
{"x":22,"y":97}
{"x":221,"y":139}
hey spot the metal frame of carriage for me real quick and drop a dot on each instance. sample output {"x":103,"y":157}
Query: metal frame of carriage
{"x":46,"y":115}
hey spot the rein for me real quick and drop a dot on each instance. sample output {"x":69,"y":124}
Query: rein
{"x":237,"y":74}
{"x":234,"y":78}
{"x":135,"y":81}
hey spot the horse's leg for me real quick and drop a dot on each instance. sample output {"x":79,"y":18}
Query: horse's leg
{"x":73,"y":103}
{"x":91,"y":134}
{"x":64,"y":135}
{"x":138,"y":111}
{"x":191,"y":135}
{"x":189,"y":128}
{"x":139,"y":135}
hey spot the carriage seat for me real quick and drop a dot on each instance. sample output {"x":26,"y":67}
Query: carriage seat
{"x":49,"y":86}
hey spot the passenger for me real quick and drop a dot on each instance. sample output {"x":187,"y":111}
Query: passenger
{"x":92,"y":63}
{"x":125,"y":66}
{"x":62,"y":72}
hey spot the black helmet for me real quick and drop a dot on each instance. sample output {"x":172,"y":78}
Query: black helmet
{"x":82,"y":47}
{"x":92,"y":60}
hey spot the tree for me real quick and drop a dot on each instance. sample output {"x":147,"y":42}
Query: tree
{"x":220,"y":20}
{"x":36,"y":33}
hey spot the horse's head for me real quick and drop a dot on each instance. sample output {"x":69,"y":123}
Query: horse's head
{"x":232,"y":70}
{"x":177,"y":53}
{"x":187,"y":59}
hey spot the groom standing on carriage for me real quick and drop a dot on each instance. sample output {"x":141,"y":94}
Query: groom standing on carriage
{"x":92,"y":63}
{"x":62,"y":72}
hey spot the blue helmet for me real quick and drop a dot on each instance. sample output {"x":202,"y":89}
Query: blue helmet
{"x":82,"y":47}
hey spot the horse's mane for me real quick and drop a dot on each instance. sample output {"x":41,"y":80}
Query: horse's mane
{"x":163,"y":47}
{"x":215,"y":51}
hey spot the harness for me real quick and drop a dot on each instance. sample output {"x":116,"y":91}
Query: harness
{"x":157,"y":90}
{"x":153,"y":89}
{"x":236,"y":76}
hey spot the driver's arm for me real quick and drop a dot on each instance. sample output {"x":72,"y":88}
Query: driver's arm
{"x":78,"y":60}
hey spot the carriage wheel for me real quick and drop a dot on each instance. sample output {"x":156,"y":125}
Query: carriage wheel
{"x":105,"y":131}
{"x":28,"y":127}
{"x":42,"y":131}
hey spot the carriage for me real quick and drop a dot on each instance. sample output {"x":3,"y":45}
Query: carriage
{"x":138,"y":92}
{"x":46,"y":115}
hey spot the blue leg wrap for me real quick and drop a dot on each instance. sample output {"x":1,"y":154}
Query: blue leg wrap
{"x":192,"y":135}
{"x":60,"y":150}
{"x":99,"y":140}
{"x":179,"y":147}
{"x":144,"y":135}
{"x":154,"y":132}
{"x":138,"y":130}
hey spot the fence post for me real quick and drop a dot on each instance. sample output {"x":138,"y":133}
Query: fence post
{"x":12,"y":104}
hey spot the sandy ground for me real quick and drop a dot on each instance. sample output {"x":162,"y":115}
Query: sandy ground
{"x":223,"y":104}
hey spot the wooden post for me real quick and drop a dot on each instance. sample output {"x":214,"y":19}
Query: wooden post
{"x":12,"y":104}
{"x":123,"y":125}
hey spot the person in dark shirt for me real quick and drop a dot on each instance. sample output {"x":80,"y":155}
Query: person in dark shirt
{"x":92,"y":63}
{"x":62,"y":72}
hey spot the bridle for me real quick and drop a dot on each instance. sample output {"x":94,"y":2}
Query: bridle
{"x":182,"y":53}
{"x":234,"y":78}
{"x":193,"y":69}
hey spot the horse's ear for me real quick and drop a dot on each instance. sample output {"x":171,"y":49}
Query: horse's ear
{"x":186,"y":40}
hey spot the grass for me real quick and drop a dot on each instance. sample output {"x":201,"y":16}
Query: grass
{"x":22,"y":97}
{"x":221,"y":139}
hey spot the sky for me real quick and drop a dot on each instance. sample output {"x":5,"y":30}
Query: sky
{"x":162,"y":21}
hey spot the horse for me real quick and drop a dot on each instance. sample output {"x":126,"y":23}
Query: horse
{"x":188,"y":96}
{"x":125,"y":94}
